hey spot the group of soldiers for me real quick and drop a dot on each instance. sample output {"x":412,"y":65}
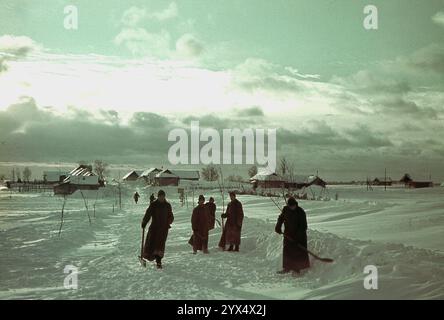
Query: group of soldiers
{"x":203,"y":219}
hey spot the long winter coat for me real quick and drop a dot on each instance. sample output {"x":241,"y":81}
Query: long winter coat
{"x":161,"y":216}
{"x":211,"y":214}
{"x":295,"y":235}
{"x":231,"y":234}
{"x":199,"y":224}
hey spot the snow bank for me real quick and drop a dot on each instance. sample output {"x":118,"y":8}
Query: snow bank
{"x":404,"y":272}
{"x":105,"y":252}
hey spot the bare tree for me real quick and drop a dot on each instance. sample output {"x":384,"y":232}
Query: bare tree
{"x":286,"y":168}
{"x":101,"y":169}
{"x":252,"y":171}
{"x":209,"y":173}
{"x":27,"y":174}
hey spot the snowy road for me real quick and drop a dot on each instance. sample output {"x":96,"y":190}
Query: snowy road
{"x":400,"y":232}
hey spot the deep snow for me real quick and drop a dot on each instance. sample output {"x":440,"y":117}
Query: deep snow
{"x":398,"y":230}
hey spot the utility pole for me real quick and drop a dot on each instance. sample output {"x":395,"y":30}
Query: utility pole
{"x":385,"y":179}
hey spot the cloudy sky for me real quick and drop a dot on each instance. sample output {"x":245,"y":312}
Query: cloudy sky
{"x":345,"y":100}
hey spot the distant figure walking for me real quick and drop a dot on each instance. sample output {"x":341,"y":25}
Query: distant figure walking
{"x":199,"y":224}
{"x":231,"y":234}
{"x":136,"y":197}
{"x":211,"y":206}
{"x":294,"y":219}
{"x":161,"y":213}
{"x":152,"y":197}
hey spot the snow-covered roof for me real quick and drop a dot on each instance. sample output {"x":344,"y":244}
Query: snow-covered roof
{"x":166,"y":174}
{"x":267,"y":176}
{"x":129,"y":174}
{"x":149,"y":171}
{"x":81,"y":171}
{"x":186,"y":174}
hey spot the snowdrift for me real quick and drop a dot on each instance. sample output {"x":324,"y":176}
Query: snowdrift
{"x":105,"y":252}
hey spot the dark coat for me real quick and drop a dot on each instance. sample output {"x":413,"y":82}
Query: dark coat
{"x":211,"y":214}
{"x":162,"y":217}
{"x":233,"y":226}
{"x":199,"y":224}
{"x":295,"y":235}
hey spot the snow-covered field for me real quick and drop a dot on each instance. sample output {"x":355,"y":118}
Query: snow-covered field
{"x":399,"y":231}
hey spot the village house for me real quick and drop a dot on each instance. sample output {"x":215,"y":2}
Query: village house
{"x":132,"y":176}
{"x":166,"y":178}
{"x":80,"y":178}
{"x":149,"y":175}
{"x":304,"y":181}
{"x":190,"y":175}
{"x":267,"y":180}
{"x":273,"y":180}
{"x":409,"y":182}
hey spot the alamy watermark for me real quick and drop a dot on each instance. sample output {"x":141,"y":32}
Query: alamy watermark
{"x":71,"y":281}
{"x":71,"y":18}
{"x":371,"y":19}
{"x":228,"y":149}
{"x":371,"y":280}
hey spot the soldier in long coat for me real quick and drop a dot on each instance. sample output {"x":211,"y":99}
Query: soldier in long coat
{"x":161,"y":215}
{"x":231,"y":234}
{"x":200,"y":226}
{"x":295,"y":255}
{"x":211,"y":206}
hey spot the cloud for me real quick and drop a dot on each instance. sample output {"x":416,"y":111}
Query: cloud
{"x":430,"y":59}
{"x":250,"y":112}
{"x":296,"y":72}
{"x":382,"y":94}
{"x":258,"y":74}
{"x":362,"y":136}
{"x":148,"y":120}
{"x":26,"y":110}
{"x":399,"y":106}
{"x":110,"y":116}
{"x":315,"y":134}
{"x":208,"y":121}
{"x":370,"y":83}
{"x":30,"y":132}
{"x":438,"y":18}
{"x":141,"y":39}
{"x":168,"y":13}
{"x":188,"y":45}
{"x":13,"y":48}
{"x":234,"y":119}
{"x":318,"y":133}
{"x":135,"y":16}
{"x":18,"y":46}
{"x":141,"y":42}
